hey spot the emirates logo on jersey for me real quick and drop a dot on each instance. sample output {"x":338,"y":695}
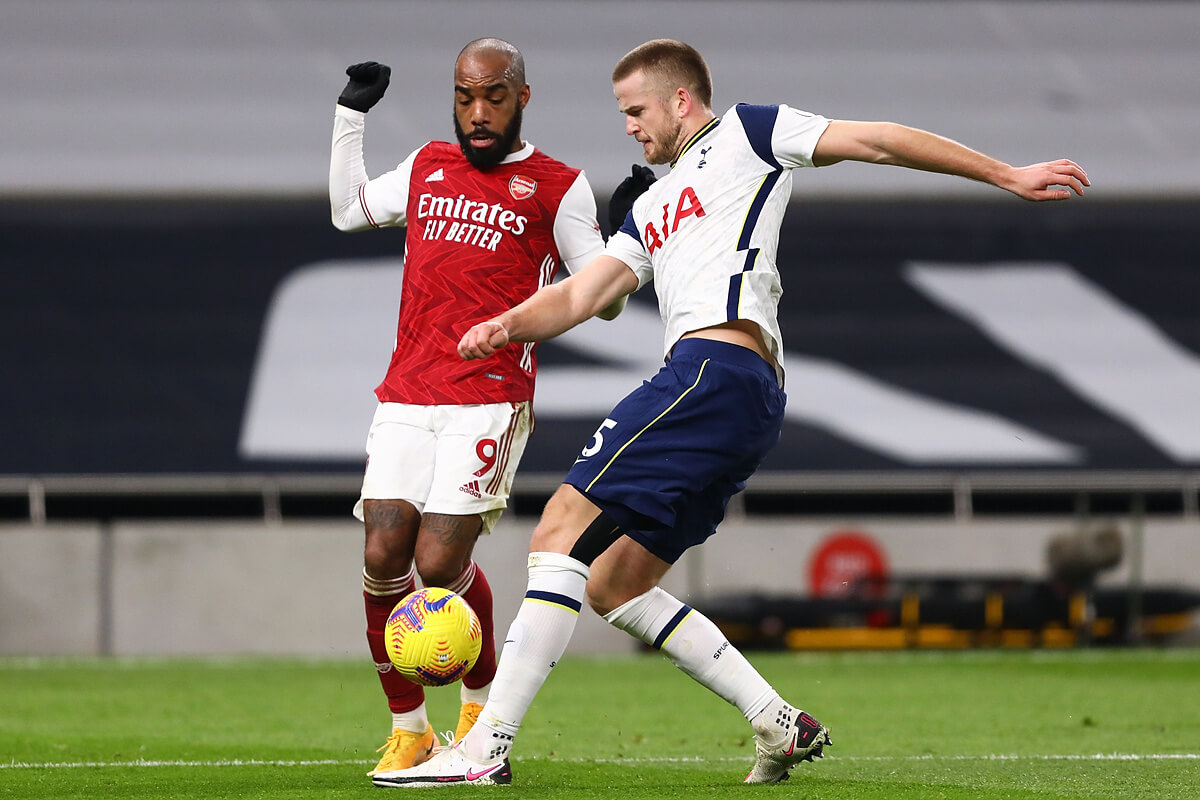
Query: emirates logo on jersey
{"x":521,"y":187}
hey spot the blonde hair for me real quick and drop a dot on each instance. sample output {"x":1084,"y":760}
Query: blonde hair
{"x":669,"y":65}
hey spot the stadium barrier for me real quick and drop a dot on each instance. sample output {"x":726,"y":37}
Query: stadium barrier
{"x":197,"y":371}
{"x":167,"y":565}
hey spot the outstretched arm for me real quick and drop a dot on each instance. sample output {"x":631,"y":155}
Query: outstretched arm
{"x":890,"y":143}
{"x":347,"y":172}
{"x":553,"y":309}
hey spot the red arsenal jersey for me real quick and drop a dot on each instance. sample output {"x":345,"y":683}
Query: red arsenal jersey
{"x":478,"y":243}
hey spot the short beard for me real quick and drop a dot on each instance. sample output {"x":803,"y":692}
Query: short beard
{"x":679,"y":140}
{"x":495,"y":153}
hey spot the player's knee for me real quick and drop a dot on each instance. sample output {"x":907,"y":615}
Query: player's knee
{"x":566,"y":516}
{"x":601,"y":597}
{"x":609,"y":588}
{"x":438,"y":567}
{"x":384,"y":558}
{"x":549,"y":538}
{"x":552,"y":534}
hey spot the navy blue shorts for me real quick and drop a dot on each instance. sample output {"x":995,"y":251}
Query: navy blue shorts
{"x":667,"y":459}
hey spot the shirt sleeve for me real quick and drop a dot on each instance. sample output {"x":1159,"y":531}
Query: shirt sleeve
{"x":626,"y":246}
{"x":355,"y":202}
{"x":576,"y":234}
{"x":795,"y":136}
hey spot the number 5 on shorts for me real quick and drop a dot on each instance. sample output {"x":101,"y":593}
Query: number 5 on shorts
{"x":598,"y":438}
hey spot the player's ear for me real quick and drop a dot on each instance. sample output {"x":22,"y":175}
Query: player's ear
{"x":683,"y":102}
{"x":523,"y":96}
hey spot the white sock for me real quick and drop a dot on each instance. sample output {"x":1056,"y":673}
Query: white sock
{"x":478,"y":696}
{"x":415,"y":721}
{"x":773,"y":723}
{"x":534,"y":644}
{"x":696,"y":646}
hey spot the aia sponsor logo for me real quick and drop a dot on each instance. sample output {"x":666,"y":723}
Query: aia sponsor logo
{"x":688,"y":205}
{"x":521,"y":188}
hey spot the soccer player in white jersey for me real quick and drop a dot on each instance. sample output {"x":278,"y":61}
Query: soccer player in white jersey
{"x":657,"y":475}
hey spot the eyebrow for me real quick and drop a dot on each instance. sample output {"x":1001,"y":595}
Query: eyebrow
{"x":495,"y":87}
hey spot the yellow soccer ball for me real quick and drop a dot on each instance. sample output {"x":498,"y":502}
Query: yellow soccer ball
{"x":433,"y":637}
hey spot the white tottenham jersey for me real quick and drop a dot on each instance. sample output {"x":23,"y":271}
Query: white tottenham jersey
{"x":707,"y":232}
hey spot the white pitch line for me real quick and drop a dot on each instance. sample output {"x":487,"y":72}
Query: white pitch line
{"x":252,"y":762}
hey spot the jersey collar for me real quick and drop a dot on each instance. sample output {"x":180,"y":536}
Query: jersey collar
{"x":697,"y":136}
{"x":522,"y":154}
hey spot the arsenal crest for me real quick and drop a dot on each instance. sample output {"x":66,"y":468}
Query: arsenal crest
{"x":521,"y":187}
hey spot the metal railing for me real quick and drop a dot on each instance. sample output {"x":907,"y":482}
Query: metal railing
{"x":956,"y":494}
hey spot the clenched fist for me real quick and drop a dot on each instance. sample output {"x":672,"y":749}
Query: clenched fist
{"x":368,"y":81}
{"x":483,"y":340}
{"x":628,"y":190}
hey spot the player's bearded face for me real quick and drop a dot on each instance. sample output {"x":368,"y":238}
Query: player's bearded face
{"x":649,"y":117}
{"x":500,"y":143}
{"x":665,"y":142}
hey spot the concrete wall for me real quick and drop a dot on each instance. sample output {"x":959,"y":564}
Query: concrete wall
{"x":50,"y":582}
{"x":168,"y":588}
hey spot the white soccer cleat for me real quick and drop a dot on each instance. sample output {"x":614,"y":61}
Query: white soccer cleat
{"x":449,"y":766}
{"x":804,"y":740}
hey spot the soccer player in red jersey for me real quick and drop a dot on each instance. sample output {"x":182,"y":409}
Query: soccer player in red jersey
{"x":490,"y":219}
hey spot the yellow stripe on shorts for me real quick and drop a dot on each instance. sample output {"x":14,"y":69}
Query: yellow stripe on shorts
{"x":678,"y":400}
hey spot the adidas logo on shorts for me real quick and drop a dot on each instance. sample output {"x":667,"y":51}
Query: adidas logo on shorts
{"x":471,"y":488}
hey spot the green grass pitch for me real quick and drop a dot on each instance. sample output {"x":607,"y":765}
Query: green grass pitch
{"x":983,"y":724}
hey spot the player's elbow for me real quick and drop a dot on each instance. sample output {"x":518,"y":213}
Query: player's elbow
{"x":887,"y":144}
{"x":613,"y":309}
{"x":345,"y":222}
{"x":867,"y":142}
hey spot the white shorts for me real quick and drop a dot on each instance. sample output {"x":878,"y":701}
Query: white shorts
{"x":446,"y":459}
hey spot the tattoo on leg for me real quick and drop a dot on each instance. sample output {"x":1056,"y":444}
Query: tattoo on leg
{"x":387,"y":514}
{"x":450,"y":530}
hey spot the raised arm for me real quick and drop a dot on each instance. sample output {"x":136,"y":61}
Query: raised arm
{"x":347,"y":172}
{"x":890,"y":143}
{"x":553,"y":309}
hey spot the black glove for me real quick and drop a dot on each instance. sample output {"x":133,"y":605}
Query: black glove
{"x":368,"y":82}
{"x":626,"y":192}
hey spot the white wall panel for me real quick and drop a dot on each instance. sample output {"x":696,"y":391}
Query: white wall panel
{"x":233,"y":96}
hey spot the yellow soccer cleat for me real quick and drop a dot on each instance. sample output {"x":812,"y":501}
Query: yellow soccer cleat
{"x":405,"y":749}
{"x":467,"y":717}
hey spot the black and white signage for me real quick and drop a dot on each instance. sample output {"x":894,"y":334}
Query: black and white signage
{"x":199,"y":338}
